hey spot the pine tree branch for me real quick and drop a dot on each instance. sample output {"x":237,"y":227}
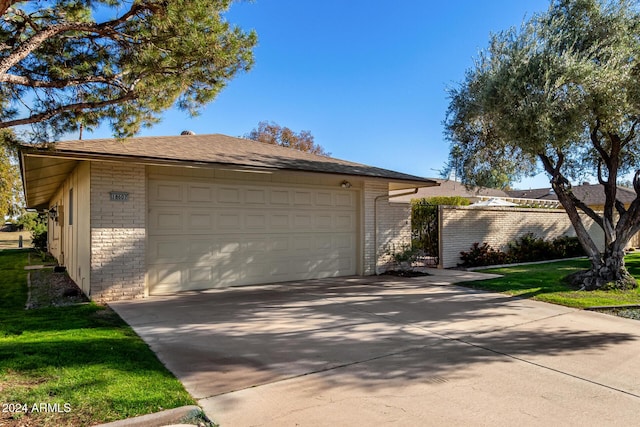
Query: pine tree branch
{"x":58,"y":84}
{"x":107,"y":28}
{"x":76,"y":107}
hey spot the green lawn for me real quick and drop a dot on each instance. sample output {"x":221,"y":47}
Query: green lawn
{"x":543,"y":282}
{"x":83,"y":361}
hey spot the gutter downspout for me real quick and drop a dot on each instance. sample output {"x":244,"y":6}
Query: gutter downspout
{"x":375,"y":222}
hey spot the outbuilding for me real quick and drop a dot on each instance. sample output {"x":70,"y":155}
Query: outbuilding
{"x":157,"y":215}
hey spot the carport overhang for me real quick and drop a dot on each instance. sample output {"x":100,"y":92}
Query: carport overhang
{"x":45,"y":169}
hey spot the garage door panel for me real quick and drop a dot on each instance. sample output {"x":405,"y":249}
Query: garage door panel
{"x":200,"y":193}
{"x":200,"y":221}
{"x":256,"y":221}
{"x":215,"y":235}
{"x":229,"y":221}
{"x":255,"y":196}
{"x":279,"y":221}
{"x":164,"y":191}
{"x":345,"y":200}
{"x":228,"y":195}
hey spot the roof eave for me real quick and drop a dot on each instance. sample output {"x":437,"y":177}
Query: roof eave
{"x":396,"y":183}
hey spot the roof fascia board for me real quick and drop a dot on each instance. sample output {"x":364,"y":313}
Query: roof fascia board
{"x":154,"y":161}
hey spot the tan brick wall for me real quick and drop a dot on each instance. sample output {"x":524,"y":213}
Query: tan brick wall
{"x":118,"y":233}
{"x":460,"y":227}
{"x":392,"y":222}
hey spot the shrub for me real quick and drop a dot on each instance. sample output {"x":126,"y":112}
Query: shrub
{"x":29,"y":220}
{"x":527,"y":248}
{"x":406,"y":254}
{"x":567,"y":247}
{"x":480,"y":255}
{"x":39,"y":237}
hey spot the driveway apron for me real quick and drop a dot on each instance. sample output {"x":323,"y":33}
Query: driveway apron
{"x":397,"y":351}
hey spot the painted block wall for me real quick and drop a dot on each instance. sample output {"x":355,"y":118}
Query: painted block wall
{"x":461,"y":226}
{"x":392,"y":225}
{"x":118,"y":231}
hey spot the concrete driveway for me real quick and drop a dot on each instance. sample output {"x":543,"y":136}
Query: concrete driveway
{"x":391,"y":351}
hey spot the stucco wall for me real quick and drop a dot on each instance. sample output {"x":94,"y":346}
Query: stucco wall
{"x":118,"y":232}
{"x":461,"y":226}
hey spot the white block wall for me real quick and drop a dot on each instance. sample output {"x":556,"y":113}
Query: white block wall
{"x":461,"y":226}
{"x":118,"y":232}
{"x":392,"y":222}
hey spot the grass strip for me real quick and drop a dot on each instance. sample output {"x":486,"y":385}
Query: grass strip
{"x":543,"y":282}
{"x":76,"y":365}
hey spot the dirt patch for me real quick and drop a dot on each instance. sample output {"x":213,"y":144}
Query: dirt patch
{"x":48,"y":288}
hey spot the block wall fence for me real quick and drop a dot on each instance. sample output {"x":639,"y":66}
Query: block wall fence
{"x":462,"y":226}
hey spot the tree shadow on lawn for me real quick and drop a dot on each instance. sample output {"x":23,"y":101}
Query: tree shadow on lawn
{"x":225,"y":341}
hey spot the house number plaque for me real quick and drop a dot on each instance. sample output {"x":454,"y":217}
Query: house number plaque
{"x":119,"y":196}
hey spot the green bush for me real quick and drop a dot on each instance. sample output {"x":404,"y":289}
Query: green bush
{"x":424,"y":221}
{"x":29,"y":220}
{"x":481,"y":255}
{"x":527,"y":248}
{"x":567,"y":247}
{"x":39,"y":236}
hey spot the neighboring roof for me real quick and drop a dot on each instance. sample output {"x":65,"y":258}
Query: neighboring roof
{"x":590,"y":194}
{"x":450,"y":188}
{"x":47,"y":167}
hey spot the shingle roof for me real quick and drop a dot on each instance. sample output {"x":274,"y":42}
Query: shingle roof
{"x":590,"y":194}
{"x":224,"y":150}
{"x":450,"y":188}
{"x":45,"y":168}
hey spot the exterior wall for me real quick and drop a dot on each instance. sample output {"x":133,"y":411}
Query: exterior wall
{"x":118,"y":231}
{"x":386,"y":227}
{"x":68,"y":237}
{"x":394,"y":232}
{"x":460,"y":227}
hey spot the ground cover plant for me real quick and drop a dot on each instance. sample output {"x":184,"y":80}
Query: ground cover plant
{"x":79,"y":365}
{"x":544,"y":282}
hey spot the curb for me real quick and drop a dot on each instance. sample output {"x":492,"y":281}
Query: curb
{"x":176,"y":416}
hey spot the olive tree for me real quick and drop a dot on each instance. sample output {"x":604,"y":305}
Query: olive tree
{"x":563,"y":92}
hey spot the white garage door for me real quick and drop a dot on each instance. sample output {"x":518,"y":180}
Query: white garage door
{"x":207,"y":235}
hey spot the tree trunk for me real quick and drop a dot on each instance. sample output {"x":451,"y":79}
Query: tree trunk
{"x":607,"y":272}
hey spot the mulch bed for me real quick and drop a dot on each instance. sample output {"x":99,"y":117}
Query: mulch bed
{"x":52,"y":289}
{"x":628,"y":312}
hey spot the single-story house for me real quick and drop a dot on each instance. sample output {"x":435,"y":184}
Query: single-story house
{"x":157,"y":215}
{"x":590,"y":194}
{"x":451,"y":188}
{"x":476,"y":195}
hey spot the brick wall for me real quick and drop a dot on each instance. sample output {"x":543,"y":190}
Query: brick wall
{"x":392,"y":222}
{"x":118,"y":252}
{"x":460,"y":227}
{"x":394,"y":232}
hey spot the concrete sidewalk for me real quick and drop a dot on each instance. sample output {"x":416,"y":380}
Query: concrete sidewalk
{"x":376,"y":350}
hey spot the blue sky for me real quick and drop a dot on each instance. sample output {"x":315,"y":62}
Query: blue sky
{"x":367,"y":79}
